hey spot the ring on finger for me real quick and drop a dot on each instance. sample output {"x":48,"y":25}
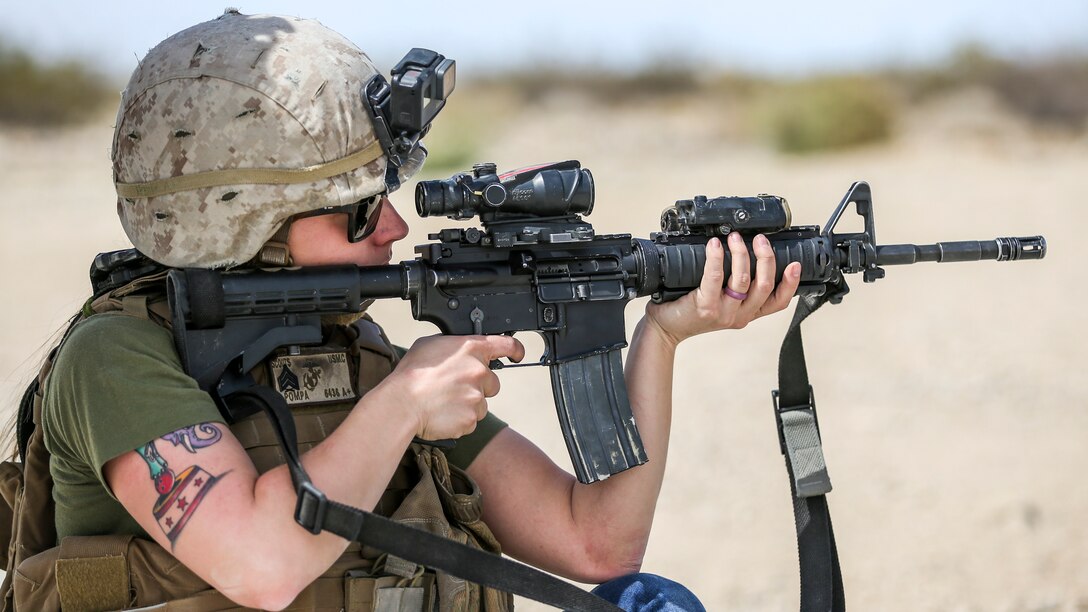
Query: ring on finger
{"x":736,"y":295}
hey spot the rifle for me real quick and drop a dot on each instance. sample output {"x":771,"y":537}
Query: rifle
{"x":536,"y":265}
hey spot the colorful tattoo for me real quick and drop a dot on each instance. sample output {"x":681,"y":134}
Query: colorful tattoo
{"x":189,"y":437}
{"x":180,"y":494}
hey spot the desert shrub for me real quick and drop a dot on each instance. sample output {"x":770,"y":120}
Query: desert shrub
{"x":657,"y":79}
{"x":1046,"y":90}
{"x":38,"y":94}
{"x":1054,"y":91}
{"x":660,"y":78}
{"x":822,"y":113}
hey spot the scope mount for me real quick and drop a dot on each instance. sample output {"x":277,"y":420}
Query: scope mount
{"x":520,"y":230}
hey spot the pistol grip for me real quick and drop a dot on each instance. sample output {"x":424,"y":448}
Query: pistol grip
{"x":595,"y":416}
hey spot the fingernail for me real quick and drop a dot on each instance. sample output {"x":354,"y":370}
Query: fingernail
{"x":715,"y":243}
{"x":735,"y":237}
{"x":795,"y":271}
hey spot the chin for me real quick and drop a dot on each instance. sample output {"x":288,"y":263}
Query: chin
{"x":375,"y":259}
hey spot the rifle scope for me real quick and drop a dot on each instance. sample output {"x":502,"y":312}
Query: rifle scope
{"x":552,"y":190}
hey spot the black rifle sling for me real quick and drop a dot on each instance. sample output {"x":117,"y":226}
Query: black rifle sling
{"x":316,"y":513}
{"x":799,"y":438}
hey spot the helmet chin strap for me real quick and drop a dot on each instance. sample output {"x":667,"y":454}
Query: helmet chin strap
{"x":275,"y":252}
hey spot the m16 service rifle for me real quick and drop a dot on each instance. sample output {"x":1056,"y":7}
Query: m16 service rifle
{"x":537,"y":265}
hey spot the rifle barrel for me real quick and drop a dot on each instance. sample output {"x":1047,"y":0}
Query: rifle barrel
{"x":1000,"y":249}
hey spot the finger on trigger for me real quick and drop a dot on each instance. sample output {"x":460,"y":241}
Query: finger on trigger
{"x":505,"y":346}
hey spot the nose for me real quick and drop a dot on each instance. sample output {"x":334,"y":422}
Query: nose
{"x":391,"y":226}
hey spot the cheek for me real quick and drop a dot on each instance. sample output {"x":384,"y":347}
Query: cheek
{"x":317,"y":241}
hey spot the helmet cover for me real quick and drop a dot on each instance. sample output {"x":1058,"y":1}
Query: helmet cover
{"x":237,"y":94}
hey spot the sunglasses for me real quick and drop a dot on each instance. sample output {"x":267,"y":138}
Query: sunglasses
{"x":362,"y":216}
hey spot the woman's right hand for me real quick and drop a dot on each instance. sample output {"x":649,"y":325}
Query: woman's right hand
{"x":444,"y":382}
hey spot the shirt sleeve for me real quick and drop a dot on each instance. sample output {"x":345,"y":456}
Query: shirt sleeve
{"x":116,"y":384}
{"x":464,"y":452}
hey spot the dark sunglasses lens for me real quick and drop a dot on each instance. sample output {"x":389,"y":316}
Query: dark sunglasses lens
{"x":363,"y":221}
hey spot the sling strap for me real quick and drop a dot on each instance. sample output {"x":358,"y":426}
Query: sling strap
{"x":799,"y":440}
{"x":316,"y":513}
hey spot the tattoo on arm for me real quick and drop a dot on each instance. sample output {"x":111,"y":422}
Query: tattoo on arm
{"x":189,"y":437}
{"x":180,"y":493}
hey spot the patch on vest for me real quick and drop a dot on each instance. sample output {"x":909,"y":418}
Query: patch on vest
{"x":312,"y":379}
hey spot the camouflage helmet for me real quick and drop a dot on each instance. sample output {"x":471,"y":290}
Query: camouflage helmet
{"x":231,"y":127}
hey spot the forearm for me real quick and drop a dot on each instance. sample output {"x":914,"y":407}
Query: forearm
{"x":438,"y":391}
{"x":628,"y":499}
{"x":631,"y":496}
{"x":589,"y":533}
{"x":599,"y":531}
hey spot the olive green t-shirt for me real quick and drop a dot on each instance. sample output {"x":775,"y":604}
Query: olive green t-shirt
{"x":117,"y":384}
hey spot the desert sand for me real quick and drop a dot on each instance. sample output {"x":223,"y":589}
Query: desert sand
{"x":951,"y":396}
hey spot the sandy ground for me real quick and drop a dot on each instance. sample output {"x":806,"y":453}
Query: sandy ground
{"x":951,"y":396}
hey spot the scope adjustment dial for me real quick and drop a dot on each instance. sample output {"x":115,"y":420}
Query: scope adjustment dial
{"x":495,"y":195}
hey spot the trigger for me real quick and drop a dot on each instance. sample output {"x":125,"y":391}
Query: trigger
{"x":494,"y":364}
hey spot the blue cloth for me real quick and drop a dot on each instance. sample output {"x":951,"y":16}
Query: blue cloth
{"x":649,"y":593}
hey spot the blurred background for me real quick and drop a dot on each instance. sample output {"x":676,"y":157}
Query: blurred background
{"x":951,"y":396}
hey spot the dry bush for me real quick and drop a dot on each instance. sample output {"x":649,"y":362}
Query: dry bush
{"x":1051,"y":92}
{"x":826,"y":113}
{"x":36,"y":94}
{"x":658,"y":79}
{"x":830,"y":112}
{"x":1047,"y":91}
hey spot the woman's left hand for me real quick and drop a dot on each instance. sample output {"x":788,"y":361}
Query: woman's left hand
{"x":713,"y":306}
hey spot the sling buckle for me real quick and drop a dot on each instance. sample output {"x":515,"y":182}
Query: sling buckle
{"x":799,"y":441}
{"x":311,"y":509}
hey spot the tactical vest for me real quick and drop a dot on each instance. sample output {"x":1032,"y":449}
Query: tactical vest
{"x":125,"y":572}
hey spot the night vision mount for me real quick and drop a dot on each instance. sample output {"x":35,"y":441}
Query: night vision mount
{"x":402,"y":109}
